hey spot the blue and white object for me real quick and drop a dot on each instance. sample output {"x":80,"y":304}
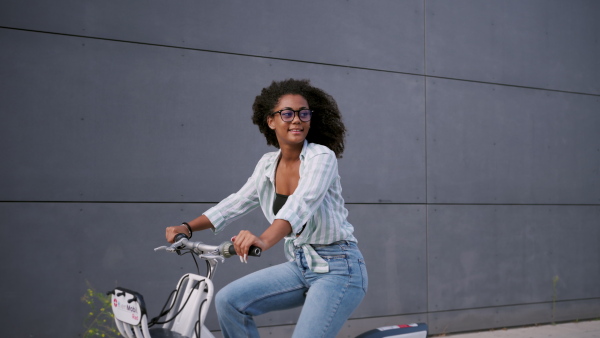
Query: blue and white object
{"x":415,"y":330}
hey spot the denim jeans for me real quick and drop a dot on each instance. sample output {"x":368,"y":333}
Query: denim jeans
{"x":328,"y":298}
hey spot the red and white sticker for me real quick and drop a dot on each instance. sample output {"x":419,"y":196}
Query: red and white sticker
{"x":125,"y":311}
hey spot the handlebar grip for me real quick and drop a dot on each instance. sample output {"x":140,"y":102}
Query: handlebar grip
{"x":180,"y":236}
{"x":253,"y":251}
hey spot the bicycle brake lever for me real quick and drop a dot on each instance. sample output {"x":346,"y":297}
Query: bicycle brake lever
{"x":177,"y":246}
{"x":213,"y":257}
{"x":173,"y":247}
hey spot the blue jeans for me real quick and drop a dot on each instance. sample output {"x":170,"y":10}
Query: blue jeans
{"x":328,"y":298}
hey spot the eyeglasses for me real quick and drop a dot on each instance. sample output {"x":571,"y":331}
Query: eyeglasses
{"x":287,"y":115}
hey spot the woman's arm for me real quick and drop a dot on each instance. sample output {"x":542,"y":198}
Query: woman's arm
{"x":274,"y":233}
{"x":226,"y":211}
{"x":200,"y":223}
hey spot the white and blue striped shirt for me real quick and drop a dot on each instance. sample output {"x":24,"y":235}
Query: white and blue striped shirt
{"x":316,"y":202}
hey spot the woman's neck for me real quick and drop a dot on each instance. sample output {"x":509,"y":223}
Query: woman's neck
{"x":290,"y":153}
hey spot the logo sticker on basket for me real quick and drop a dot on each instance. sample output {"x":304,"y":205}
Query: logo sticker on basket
{"x":126,"y":309}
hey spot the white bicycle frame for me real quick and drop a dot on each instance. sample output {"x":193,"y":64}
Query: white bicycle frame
{"x":193,"y":296}
{"x":188,"y":308}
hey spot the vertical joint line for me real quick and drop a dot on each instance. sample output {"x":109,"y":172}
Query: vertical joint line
{"x":426,"y":166}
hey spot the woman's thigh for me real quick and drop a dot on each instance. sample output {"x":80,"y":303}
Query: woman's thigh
{"x":274,"y":288}
{"x":333,"y":296}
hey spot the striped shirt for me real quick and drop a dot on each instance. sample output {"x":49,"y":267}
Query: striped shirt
{"x":316,"y":202}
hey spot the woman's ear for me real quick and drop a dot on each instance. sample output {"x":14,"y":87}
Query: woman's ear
{"x":270,"y":122}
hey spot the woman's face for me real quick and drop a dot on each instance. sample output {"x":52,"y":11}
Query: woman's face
{"x":294,"y":132}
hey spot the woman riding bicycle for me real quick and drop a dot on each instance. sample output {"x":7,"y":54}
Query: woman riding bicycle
{"x":298,"y":189}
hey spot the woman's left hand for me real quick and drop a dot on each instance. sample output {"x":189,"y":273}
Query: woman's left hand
{"x":242,"y":243}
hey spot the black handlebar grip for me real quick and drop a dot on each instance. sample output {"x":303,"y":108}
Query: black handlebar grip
{"x":254,"y":251}
{"x":180,"y":236}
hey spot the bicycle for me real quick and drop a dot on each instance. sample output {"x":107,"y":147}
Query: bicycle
{"x":187,"y":304}
{"x":191,"y":299}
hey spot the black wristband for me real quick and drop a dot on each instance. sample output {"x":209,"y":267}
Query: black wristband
{"x":188,"y":227}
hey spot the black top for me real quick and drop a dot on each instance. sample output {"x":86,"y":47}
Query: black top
{"x":278,"y":204}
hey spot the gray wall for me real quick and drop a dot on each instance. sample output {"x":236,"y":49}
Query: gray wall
{"x":472,"y":170}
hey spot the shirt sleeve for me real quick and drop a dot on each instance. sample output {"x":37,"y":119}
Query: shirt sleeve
{"x":237,"y":204}
{"x":315,"y":179}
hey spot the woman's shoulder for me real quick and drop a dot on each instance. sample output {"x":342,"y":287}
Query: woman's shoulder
{"x":314,"y":149}
{"x":268,"y":158}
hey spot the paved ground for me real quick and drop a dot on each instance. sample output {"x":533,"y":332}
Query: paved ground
{"x":587,"y":329}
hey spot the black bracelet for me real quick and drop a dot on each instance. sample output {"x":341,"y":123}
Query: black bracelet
{"x":188,"y":227}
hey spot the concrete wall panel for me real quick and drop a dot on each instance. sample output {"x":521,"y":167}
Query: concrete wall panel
{"x":385,"y":157}
{"x":351,"y":33}
{"x":498,"y":144}
{"x":484,"y":256}
{"x":116,"y":121}
{"x":393,"y":240}
{"x":482,"y":319}
{"x":544,"y":44}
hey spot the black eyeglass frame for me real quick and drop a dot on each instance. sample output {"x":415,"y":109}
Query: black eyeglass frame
{"x":296,"y":112}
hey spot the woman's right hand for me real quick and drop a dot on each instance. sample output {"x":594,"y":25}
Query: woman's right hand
{"x":171,"y":232}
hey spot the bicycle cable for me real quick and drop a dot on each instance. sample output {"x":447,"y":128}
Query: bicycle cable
{"x":155,"y":319}
{"x":196,"y":262}
{"x":197,"y":328}
{"x":163,"y":312}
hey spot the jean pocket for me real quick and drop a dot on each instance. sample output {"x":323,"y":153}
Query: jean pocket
{"x":365,"y":276}
{"x":338,"y":264}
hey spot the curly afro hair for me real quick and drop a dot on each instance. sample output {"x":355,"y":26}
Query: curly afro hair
{"x":326,"y":126}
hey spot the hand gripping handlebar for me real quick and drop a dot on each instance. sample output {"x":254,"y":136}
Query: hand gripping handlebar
{"x":225,"y":249}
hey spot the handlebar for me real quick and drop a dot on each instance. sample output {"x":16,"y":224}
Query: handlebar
{"x":253,"y":251}
{"x":225,"y":249}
